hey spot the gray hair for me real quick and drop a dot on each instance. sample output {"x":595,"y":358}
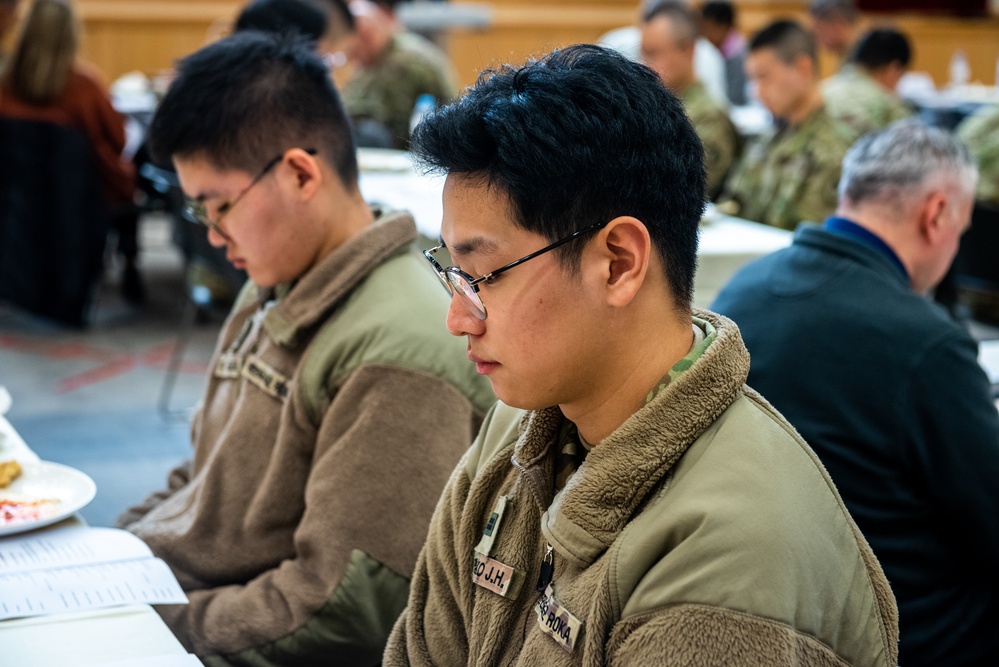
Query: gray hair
{"x":900,"y":161}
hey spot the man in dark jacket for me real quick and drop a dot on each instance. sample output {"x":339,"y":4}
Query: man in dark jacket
{"x":885,"y":387}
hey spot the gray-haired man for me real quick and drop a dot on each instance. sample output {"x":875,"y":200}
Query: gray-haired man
{"x":885,"y":387}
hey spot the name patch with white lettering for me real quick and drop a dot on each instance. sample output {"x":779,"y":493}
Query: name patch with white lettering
{"x":556,"y":621}
{"x":495,"y":576}
{"x":261,"y":374}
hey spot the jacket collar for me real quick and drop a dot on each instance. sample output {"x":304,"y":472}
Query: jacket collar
{"x":310,"y":300}
{"x":585,"y":518}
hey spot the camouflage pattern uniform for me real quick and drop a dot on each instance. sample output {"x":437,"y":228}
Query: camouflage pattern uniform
{"x":717,"y":133}
{"x":387,"y":90}
{"x":858,"y":100}
{"x":790,"y":174}
{"x":980,"y":132}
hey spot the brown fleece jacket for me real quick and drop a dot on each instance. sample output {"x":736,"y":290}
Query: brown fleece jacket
{"x":331,"y":421}
{"x":703,"y":531}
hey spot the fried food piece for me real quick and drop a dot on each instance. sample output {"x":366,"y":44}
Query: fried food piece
{"x":9,"y":471}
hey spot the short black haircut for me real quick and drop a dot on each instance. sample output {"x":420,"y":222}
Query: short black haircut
{"x":788,"y":39}
{"x":685,"y":23}
{"x":284,"y":17}
{"x":881,"y":47}
{"x":576,"y":138}
{"x":245,"y":99}
{"x":720,"y":12}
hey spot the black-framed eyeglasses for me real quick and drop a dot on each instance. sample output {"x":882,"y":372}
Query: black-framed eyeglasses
{"x":196,"y":209}
{"x":456,"y":281}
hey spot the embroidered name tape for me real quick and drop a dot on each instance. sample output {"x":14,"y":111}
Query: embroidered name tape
{"x":556,"y":621}
{"x":495,"y":576}
{"x":485,"y":546}
{"x":261,"y":374}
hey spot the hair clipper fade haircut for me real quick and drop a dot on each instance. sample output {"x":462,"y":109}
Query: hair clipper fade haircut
{"x":242,"y":100}
{"x":284,"y":17}
{"x":788,"y":39}
{"x":881,"y":47}
{"x":575,"y":138}
{"x":684,"y":21}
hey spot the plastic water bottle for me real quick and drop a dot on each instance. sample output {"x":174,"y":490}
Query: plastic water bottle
{"x":960,"y":71}
{"x":424,"y":104}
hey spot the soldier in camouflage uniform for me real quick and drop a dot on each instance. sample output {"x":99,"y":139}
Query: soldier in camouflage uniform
{"x":669,"y":32}
{"x":980,"y":133}
{"x":393,"y":69}
{"x":790,"y":174}
{"x":863,"y":92}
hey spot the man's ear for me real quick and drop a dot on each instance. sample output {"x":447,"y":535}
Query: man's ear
{"x":932,"y":223}
{"x":623,"y":250}
{"x":805,"y":66}
{"x":306,"y":171}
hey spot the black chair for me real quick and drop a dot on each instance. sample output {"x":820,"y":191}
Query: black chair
{"x":973,"y":278}
{"x":53,"y":220}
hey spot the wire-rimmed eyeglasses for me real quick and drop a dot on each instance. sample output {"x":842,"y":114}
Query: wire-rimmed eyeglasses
{"x":456,"y":281}
{"x":195,"y":208}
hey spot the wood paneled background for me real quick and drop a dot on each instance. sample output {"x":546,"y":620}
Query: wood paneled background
{"x":149,"y":35}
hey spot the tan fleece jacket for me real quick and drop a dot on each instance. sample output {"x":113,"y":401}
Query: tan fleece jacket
{"x":330,"y":424}
{"x":703,"y":531}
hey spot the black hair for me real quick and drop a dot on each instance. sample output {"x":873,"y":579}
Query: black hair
{"x":881,"y":47}
{"x":575,"y":138}
{"x":720,"y":12}
{"x":245,"y":99}
{"x":788,"y":39}
{"x":283,"y":16}
{"x":685,"y":23}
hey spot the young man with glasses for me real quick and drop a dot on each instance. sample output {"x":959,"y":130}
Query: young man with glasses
{"x":336,"y":404}
{"x":629,"y":501}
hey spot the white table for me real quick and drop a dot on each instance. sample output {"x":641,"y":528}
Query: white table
{"x":726,"y":243}
{"x":116,"y":636}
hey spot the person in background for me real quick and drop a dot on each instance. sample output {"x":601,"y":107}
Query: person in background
{"x":629,"y":501}
{"x":43,"y":80}
{"x":789,"y":174}
{"x":709,"y":65}
{"x":335,"y":406}
{"x":393,"y":69}
{"x":669,"y":30}
{"x":886,"y":387}
{"x":862,"y":93}
{"x":718,"y":27}
{"x":8,"y":17}
{"x":834,"y":23}
{"x":327,"y":24}
{"x":980,"y":133}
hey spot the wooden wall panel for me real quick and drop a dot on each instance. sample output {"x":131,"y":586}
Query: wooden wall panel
{"x":149,"y":35}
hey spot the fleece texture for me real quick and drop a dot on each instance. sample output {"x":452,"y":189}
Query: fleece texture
{"x":703,"y":531}
{"x":335,"y":410}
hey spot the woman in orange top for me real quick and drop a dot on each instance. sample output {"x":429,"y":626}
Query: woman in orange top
{"x":43,"y":81}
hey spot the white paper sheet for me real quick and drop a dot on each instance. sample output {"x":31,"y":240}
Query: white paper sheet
{"x":76,"y":568}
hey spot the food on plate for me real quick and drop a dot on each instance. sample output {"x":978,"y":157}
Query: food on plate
{"x":23,"y":511}
{"x":9,"y":471}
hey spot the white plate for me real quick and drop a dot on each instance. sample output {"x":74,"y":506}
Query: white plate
{"x":45,"y":480}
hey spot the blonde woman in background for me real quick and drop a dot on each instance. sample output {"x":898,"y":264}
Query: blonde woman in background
{"x":42,"y":80}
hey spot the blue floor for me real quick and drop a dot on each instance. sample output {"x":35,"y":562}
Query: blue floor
{"x":89,"y":398}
